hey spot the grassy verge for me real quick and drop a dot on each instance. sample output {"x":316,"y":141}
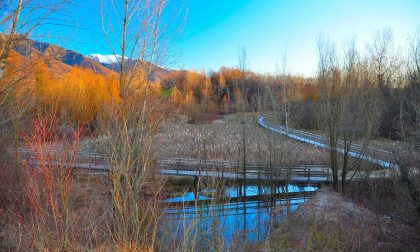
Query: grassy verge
{"x":328,"y":222}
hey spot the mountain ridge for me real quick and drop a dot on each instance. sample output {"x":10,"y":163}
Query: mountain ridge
{"x":61,"y":60}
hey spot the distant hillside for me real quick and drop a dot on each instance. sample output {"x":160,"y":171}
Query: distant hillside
{"x":61,"y":60}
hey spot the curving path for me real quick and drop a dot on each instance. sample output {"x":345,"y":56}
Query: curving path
{"x":379,"y":157}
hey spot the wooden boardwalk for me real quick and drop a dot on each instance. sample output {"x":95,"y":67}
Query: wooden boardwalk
{"x":205,"y":168}
{"x":382,"y":158}
{"x":228,"y":170}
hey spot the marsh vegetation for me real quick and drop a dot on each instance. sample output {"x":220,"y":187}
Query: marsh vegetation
{"x":60,"y":111}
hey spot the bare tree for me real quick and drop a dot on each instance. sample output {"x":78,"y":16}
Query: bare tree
{"x":285,"y":90}
{"x":380,"y":52}
{"x":413,"y":97}
{"x":329,"y":81}
{"x":410,"y":99}
{"x":349,"y":107}
{"x":242,"y":67}
{"x":384,"y":67}
{"x":129,"y":136}
{"x":20,"y":19}
{"x":360,"y":111}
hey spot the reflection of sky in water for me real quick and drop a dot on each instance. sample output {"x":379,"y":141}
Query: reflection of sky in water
{"x":252,"y":218}
{"x":189,"y":196}
{"x":233,"y":192}
{"x":253,"y":190}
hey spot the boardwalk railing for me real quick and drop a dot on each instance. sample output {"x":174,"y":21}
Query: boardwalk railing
{"x":82,"y":160}
{"x":223,"y":169}
{"x":198,"y":167}
{"x":380,"y":157}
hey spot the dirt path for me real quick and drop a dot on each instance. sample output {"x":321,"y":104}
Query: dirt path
{"x":328,"y":222}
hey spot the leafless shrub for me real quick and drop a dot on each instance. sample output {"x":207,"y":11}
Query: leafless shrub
{"x":47,"y":184}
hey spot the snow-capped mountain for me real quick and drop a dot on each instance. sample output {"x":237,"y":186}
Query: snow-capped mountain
{"x":105,"y":59}
{"x":111,"y":62}
{"x":61,"y":60}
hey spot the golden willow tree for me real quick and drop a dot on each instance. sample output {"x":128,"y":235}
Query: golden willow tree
{"x":19,"y":20}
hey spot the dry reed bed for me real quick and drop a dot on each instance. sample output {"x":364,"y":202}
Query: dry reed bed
{"x":223,"y":140}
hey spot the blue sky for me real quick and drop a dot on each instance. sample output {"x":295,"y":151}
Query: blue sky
{"x":215,"y":29}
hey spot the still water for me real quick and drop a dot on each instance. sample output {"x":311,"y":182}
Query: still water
{"x":251,"y":217}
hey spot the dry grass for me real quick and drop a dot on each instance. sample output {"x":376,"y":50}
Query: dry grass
{"x":387,"y":196}
{"x":222,"y":140}
{"x":327,"y":222}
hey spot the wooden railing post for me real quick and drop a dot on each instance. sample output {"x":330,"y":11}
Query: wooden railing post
{"x":222,"y":171}
{"x":178,"y":161}
{"x":309,"y":174}
{"x":199,"y":169}
{"x":328,"y":175}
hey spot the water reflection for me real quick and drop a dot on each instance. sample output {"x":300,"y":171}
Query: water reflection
{"x":250,"y":217}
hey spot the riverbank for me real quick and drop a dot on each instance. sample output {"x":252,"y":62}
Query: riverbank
{"x":329,"y":222}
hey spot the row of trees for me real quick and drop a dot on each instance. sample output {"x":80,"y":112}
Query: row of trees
{"x":372,"y":94}
{"x":348,"y":106}
{"x":387,"y":79}
{"x":82,"y":96}
{"x":222,"y":91}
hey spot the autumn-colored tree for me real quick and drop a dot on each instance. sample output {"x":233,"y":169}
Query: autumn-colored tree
{"x":80,"y":95}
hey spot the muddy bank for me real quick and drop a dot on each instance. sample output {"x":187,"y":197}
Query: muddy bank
{"x":329,"y":222}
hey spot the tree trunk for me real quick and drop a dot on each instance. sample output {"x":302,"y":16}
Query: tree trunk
{"x":333,"y":157}
{"x":345,"y":163}
{"x":334,"y":168}
{"x":10,"y":40}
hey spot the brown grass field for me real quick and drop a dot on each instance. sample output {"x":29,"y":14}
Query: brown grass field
{"x":223,"y":140}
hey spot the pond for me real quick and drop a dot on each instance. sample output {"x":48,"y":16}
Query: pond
{"x":232,"y":216}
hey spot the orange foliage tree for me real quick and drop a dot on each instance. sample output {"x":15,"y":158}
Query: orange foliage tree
{"x":81,"y":95}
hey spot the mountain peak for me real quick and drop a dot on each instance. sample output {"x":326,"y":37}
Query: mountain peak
{"x":105,"y":59}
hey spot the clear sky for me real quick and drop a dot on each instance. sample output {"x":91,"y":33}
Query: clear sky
{"x":215,"y":29}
